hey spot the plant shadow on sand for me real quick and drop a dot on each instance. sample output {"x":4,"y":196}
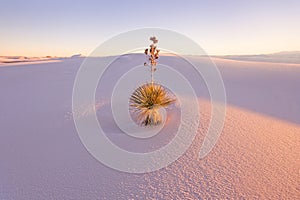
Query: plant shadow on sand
{"x":121,"y":139}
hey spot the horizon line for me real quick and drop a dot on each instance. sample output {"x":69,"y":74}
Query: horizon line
{"x":82,"y":55}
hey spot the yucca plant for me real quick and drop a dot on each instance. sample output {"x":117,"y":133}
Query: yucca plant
{"x":146,"y":102}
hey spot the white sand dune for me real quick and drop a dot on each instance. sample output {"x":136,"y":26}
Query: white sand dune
{"x":256,"y":157}
{"x":279,"y":57}
{"x":21,"y":60}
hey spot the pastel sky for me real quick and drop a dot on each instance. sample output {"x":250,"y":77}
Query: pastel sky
{"x":67,"y":27}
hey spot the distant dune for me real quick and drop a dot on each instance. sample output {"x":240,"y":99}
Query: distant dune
{"x":280,"y":57}
{"x":24,"y":59}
